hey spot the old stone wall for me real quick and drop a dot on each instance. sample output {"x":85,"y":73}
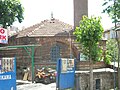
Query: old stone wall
{"x":106,"y":80}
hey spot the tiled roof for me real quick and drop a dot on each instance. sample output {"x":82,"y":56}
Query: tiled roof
{"x":46,"y":28}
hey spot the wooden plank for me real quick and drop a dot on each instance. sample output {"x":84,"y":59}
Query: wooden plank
{"x":25,"y":76}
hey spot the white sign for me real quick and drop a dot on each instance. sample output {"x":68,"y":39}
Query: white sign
{"x":67,"y":65}
{"x":3,"y":36}
{"x":64,"y":65}
{"x":5,"y":77}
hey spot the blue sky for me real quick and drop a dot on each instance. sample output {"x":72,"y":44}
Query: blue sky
{"x":38,"y":10}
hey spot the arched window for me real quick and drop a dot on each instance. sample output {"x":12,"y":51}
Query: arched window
{"x":55,"y":53}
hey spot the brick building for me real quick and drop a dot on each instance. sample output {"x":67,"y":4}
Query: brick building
{"x":55,"y":40}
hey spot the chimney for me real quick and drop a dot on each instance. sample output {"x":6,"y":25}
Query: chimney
{"x":80,"y":9}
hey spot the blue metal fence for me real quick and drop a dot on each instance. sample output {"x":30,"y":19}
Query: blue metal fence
{"x":65,"y":73}
{"x":7,"y":74}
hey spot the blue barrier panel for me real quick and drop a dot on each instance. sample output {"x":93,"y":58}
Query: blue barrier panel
{"x":65,"y":73}
{"x":7,"y":74}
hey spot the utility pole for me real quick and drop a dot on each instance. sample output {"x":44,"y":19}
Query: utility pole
{"x":118,"y":43}
{"x":70,"y":42}
{"x":70,"y":45}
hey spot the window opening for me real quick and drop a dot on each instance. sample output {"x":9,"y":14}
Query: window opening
{"x":55,"y":53}
{"x":97,"y":84}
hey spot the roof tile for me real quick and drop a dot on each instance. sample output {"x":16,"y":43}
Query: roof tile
{"x":46,"y":28}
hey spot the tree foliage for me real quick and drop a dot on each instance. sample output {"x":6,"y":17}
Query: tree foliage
{"x":112,"y":8}
{"x":111,"y":50}
{"x":89,"y":33}
{"x":10,"y":11}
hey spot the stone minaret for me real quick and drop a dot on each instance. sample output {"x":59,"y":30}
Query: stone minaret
{"x":80,"y":9}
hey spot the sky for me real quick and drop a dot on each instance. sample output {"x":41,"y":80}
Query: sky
{"x":36,"y":11}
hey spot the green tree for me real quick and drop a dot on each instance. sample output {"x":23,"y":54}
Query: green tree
{"x":10,"y":11}
{"x":113,"y":10}
{"x":89,"y":33}
{"x":111,"y":50}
